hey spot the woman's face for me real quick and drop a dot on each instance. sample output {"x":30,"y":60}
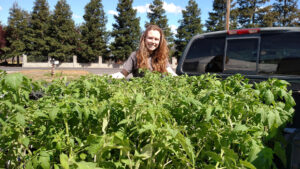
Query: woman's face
{"x":152,"y":40}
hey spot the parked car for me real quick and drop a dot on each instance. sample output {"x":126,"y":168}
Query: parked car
{"x":258,"y":54}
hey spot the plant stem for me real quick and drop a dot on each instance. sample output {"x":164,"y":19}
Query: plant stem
{"x":68,"y":138}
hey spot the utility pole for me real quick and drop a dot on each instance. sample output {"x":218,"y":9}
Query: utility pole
{"x":227,"y":14}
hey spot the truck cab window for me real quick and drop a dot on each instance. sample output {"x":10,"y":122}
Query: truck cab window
{"x":280,"y":54}
{"x":205,"y":55}
{"x":241,"y":55}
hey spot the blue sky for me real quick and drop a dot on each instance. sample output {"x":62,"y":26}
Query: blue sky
{"x":173,"y":9}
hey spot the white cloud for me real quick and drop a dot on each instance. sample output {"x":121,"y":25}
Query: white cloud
{"x":172,"y":8}
{"x":76,"y":16}
{"x":142,"y":9}
{"x":169,"y":8}
{"x":174,"y":29}
{"x":1,"y":8}
{"x":112,"y":12}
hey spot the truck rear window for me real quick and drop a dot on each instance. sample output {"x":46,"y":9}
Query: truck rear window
{"x":280,"y":54}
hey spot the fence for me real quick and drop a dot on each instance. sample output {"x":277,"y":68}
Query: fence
{"x":75,"y":64}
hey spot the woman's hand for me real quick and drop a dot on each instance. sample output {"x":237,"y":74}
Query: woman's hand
{"x":170,"y":70}
{"x":118,"y":75}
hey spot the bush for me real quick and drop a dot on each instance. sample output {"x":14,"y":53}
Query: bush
{"x":150,"y":122}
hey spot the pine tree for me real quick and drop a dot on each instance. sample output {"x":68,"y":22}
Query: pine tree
{"x":157,"y":17}
{"x":217,"y":19}
{"x":190,"y":25}
{"x":248,"y":11}
{"x":15,"y":34}
{"x":94,"y":34}
{"x":126,"y":31}
{"x":286,"y":13}
{"x":2,"y":42}
{"x":298,"y":18}
{"x":265,"y":17}
{"x":37,"y":35}
{"x":62,"y":32}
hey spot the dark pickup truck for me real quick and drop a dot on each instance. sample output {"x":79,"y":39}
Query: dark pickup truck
{"x":258,"y":54}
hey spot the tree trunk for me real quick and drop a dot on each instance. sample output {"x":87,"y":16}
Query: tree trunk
{"x":253,"y":16}
{"x":284,"y":14}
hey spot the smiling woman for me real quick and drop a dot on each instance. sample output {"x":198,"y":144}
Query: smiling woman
{"x":152,"y":54}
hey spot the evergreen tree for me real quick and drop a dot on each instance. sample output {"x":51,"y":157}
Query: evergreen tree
{"x":126,"y":31}
{"x":248,"y":12}
{"x":62,"y":31}
{"x":17,"y":24}
{"x":234,"y":13}
{"x":190,"y":25}
{"x":157,"y":17}
{"x":37,"y":35}
{"x":2,"y":42}
{"x":217,"y":19}
{"x":286,"y":13}
{"x":298,"y":18}
{"x":265,"y":17}
{"x":94,"y":34}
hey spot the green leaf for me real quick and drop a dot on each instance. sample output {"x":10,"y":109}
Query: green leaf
{"x":86,"y":113}
{"x":39,"y":114}
{"x":290,"y":100}
{"x":255,"y":149}
{"x":29,"y":165}
{"x":277,"y":118}
{"x":247,"y":164}
{"x":20,"y":108}
{"x":35,"y":162}
{"x":127,"y":162}
{"x":82,"y":156}
{"x":25,"y":141}
{"x":86,"y":165}
{"x":147,"y":151}
{"x":44,"y":160}
{"x":269,"y":97}
{"x":53,"y":114}
{"x":187,"y":146}
{"x":263,"y":114}
{"x":240,"y":127}
{"x":282,"y":93}
{"x":14,"y":80}
{"x":125,"y":121}
{"x":230,"y":153}
{"x":139,"y":99}
{"x":20,"y":119}
{"x":281,"y":83}
{"x":216,"y":157}
{"x":147,"y":127}
{"x":8,"y":104}
{"x":79,"y":112}
{"x":261,"y":157}
{"x":56,"y":166}
{"x":271,"y":119}
{"x":209,"y":167}
{"x":208,"y":113}
{"x":64,"y":160}
{"x":87,"y":84}
{"x":279,"y":150}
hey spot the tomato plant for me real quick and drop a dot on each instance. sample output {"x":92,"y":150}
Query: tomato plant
{"x":150,"y":122}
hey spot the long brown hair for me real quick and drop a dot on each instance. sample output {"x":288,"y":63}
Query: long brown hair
{"x":159,"y":55}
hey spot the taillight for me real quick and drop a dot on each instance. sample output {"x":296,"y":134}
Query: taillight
{"x":243,"y":31}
